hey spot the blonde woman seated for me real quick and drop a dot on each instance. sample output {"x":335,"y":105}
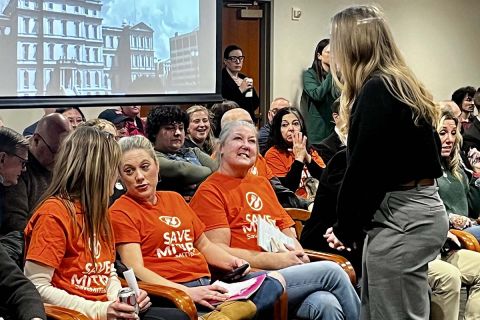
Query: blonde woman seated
{"x":69,"y":241}
{"x":162,"y":239}
{"x":230,"y":203}
{"x":199,"y":131}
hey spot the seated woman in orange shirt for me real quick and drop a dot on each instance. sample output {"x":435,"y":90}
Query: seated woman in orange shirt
{"x":162,"y":239}
{"x":69,"y":241}
{"x":289,"y":157}
{"x":231,"y":201}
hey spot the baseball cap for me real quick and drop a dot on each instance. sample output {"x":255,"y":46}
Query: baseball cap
{"x":113,"y":115}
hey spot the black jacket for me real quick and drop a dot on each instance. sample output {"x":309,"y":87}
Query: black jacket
{"x":471,"y":136}
{"x":328,"y":146}
{"x":230,"y":91}
{"x":19,"y":299}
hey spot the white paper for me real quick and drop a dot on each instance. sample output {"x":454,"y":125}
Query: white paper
{"x":267,"y":234}
{"x":132,"y":281}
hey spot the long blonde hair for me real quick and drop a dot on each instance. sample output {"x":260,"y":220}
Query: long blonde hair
{"x":453,"y":163}
{"x":209,"y":143}
{"x":85,"y":168}
{"x":362,"y":45}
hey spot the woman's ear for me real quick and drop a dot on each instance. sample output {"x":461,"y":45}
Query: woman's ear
{"x":2,"y":157}
{"x":319,"y":56}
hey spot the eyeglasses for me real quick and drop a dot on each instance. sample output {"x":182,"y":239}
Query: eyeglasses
{"x":236,"y":59}
{"x":22,"y":160}
{"x":48,"y":146}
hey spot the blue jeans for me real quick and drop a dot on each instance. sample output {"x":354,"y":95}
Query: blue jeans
{"x":320,"y":290}
{"x":264,"y":298}
{"x":475,"y":231}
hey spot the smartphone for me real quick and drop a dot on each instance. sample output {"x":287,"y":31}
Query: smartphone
{"x":235,"y":274}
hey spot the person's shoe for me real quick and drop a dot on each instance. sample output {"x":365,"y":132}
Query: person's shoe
{"x":214,"y":315}
{"x":238,"y":309}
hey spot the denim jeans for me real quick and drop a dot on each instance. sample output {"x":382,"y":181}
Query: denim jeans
{"x":475,"y":231}
{"x":264,"y":298}
{"x":320,"y":290}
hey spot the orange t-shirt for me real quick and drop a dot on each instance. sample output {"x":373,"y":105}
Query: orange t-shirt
{"x":166,"y":233}
{"x":226,"y":202}
{"x":52,"y":238}
{"x":260,"y":168}
{"x":280,"y":163}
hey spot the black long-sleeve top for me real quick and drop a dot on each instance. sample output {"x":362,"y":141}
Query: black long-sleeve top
{"x":230,"y":91}
{"x":384,"y":149}
{"x":18,"y":295}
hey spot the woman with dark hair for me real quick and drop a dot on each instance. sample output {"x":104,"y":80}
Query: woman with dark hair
{"x":217,"y":111}
{"x":289,"y":157}
{"x":73,"y":114}
{"x":235,"y":85}
{"x":318,"y":94}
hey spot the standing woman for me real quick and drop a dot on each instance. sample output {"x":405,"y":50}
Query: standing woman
{"x":236,"y":86}
{"x":318,"y":95}
{"x":389,"y":188}
{"x":69,"y":239}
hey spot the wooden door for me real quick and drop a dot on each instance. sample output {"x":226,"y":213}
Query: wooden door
{"x":248,"y":34}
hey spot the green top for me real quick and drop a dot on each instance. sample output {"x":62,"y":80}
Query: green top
{"x":315,"y":105}
{"x":460,"y":197}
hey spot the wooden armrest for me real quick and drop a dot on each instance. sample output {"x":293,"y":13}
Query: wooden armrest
{"x":467,"y":240}
{"x":59,"y":313}
{"x":298,"y":214}
{"x":342,"y":261}
{"x":179,"y":298}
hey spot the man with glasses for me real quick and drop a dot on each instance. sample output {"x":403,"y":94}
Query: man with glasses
{"x":18,"y":297}
{"x":235,"y":85}
{"x":43,"y":145}
{"x":264,"y":132}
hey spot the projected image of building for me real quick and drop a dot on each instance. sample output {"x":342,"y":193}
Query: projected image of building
{"x":62,"y":48}
{"x":129,"y":56}
{"x":184,"y":59}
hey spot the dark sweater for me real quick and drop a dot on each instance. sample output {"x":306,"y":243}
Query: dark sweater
{"x":329,"y":146}
{"x":263,"y":135}
{"x":384,"y":150}
{"x":230,"y":91}
{"x":21,"y":199}
{"x":19,"y":299}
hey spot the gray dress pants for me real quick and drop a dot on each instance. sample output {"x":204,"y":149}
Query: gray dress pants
{"x":409,"y":229}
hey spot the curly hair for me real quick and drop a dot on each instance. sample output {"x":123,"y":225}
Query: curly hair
{"x":275,"y":139}
{"x":164,"y":115}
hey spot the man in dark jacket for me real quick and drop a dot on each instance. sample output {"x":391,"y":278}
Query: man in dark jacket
{"x":43,"y":145}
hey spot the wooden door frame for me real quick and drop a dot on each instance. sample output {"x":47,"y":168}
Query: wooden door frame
{"x":265,"y":51}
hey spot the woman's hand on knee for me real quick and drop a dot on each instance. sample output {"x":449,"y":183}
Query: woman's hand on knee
{"x":205,"y":294}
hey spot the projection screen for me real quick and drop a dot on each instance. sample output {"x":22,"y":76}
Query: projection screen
{"x":108,"y":52}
